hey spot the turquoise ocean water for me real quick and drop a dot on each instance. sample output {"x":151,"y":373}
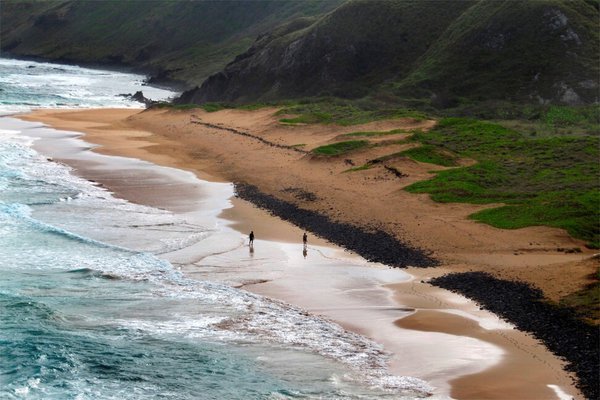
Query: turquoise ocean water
{"x":85,"y":315}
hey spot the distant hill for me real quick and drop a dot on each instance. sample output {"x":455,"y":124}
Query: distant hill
{"x":182,"y":40}
{"x":428,"y":54}
{"x":443,"y":51}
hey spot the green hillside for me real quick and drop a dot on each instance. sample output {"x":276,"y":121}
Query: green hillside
{"x":429,"y":54}
{"x":531,"y":51}
{"x":343,"y":54}
{"x":183,"y":40}
{"x":432,"y":55}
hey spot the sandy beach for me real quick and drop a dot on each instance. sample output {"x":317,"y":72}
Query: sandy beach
{"x":434,"y":334}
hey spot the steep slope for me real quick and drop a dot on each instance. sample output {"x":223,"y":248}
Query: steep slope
{"x":444,"y":52}
{"x":184,"y":40}
{"x":343,"y":53}
{"x":541,"y":51}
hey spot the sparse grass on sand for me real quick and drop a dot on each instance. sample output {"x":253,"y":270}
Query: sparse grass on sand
{"x":586,"y":301}
{"x":544,"y":170}
{"x":550,"y":181}
{"x":373,"y":134}
{"x":211,"y":107}
{"x":173,"y":106}
{"x":339,"y":148}
{"x":342,"y":113}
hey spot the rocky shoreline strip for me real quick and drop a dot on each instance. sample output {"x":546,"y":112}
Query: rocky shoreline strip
{"x":372,"y":244}
{"x":559,"y":328}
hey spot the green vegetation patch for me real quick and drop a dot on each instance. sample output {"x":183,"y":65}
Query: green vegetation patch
{"x":208,"y":107}
{"x":587,"y":117}
{"x":339,"y":148}
{"x":212,"y":107}
{"x":254,"y":106}
{"x":431,"y":154}
{"x":550,"y":181}
{"x":342,"y":113}
{"x":373,"y":134}
{"x":175,"y":106}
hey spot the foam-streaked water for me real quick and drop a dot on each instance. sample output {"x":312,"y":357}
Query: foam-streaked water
{"x":87,"y":314}
{"x":26,"y":84}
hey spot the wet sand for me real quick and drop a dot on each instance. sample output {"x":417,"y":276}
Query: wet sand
{"x":416,"y":322}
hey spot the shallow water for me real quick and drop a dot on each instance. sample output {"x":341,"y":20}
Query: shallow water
{"x":88,"y":310}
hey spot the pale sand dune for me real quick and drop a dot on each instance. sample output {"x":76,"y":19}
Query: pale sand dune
{"x":367,"y":197}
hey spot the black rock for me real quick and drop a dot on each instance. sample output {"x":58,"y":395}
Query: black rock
{"x":373,"y":244}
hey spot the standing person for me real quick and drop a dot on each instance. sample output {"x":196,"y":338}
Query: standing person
{"x":251,"y":237}
{"x":305,"y":247}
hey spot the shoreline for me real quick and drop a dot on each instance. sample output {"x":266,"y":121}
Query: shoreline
{"x":137,"y":142}
{"x":557,"y":327}
{"x":153,"y":78}
{"x":372,"y":244}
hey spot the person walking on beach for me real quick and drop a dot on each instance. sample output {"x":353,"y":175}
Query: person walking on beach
{"x":251,"y":237}
{"x":305,"y":247}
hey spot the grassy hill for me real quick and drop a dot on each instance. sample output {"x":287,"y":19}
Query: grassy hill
{"x":182,"y":40}
{"x":531,"y":51}
{"x":429,"y":54}
{"x":343,"y":53}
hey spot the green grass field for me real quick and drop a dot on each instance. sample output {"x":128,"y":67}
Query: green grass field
{"x":549,"y":181}
{"x":431,"y":154}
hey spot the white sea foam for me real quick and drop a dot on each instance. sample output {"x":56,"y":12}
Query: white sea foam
{"x":90,"y":219}
{"x":28,"y":84}
{"x":261,"y":320}
{"x":226,"y":314}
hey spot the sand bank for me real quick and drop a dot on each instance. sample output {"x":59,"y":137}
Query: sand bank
{"x":454,"y":335}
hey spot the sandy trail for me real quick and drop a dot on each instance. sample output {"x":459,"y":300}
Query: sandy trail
{"x":373,"y":197}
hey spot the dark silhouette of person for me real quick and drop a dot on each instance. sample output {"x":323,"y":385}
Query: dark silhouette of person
{"x":304,"y":247}
{"x":251,"y":237}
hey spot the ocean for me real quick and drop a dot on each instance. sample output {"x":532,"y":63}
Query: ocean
{"x":91,"y":308}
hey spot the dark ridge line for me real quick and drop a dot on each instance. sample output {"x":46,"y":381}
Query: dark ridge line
{"x":249,"y":135}
{"x":372,"y":244}
{"x":524,"y":306}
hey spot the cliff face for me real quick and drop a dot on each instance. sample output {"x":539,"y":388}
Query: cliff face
{"x":543,"y":52}
{"x":183,"y":40}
